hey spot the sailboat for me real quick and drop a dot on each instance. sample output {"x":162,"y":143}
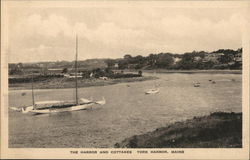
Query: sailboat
{"x":47,"y":107}
{"x":153,"y":90}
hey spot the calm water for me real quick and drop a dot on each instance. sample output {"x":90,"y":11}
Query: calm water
{"x":127,"y":112}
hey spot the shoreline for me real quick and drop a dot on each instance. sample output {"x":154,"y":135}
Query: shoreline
{"x":187,"y":71}
{"x":50,"y":84}
{"x":54,"y":83}
{"x":217,"y":130}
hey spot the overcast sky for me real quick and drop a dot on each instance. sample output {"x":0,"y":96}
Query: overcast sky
{"x":48,"y":34}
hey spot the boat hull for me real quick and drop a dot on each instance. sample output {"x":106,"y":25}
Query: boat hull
{"x":66,"y":109}
{"x":152,"y":91}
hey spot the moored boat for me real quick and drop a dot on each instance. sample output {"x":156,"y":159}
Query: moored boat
{"x":66,"y":107}
{"x":152,"y":91}
{"x":47,"y":107}
{"x":196,"y":84}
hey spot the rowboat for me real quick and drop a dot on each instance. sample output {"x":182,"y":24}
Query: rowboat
{"x":152,"y":91}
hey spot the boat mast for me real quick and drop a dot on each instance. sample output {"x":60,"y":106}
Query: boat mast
{"x":33,"y":99}
{"x":76,"y":70}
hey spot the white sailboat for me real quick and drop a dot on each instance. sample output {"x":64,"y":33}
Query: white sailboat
{"x":154,"y":90}
{"x":47,"y":107}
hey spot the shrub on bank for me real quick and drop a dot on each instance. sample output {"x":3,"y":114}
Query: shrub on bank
{"x":120,"y":75}
{"x":36,"y":78}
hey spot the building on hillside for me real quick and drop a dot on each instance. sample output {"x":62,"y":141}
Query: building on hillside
{"x":238,"y":57}
{"x":212,"y":57}
{"x":54,"y":71}
{"x":73,"y":75}
{"x":40,"y":65}
{"x":176,"y":59}
{"x":197,"y":58}
{"x":116,"y":65}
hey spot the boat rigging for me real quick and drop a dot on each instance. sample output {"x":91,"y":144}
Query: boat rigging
{"x":46,"y":107}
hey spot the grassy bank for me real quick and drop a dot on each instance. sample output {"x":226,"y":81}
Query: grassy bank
{"x":217,"y":130}
{"x":56,"y":83}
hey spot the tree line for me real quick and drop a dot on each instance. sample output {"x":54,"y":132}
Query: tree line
{"x":220,"y":59}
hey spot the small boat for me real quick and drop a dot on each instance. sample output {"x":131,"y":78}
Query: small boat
{"x":152,"y":91}
{"x":197,"y":84}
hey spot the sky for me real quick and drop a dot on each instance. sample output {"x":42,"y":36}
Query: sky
{"x":49,"y":33}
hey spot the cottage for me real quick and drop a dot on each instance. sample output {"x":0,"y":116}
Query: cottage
{"x":116,"y":65}
{"x":176,"y":59}
{"x":73,"y":75}
{"x":197,"y":58}
{"x":213,"y":57}
{"x":238,"y":57}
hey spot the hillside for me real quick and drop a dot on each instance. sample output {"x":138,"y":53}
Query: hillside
{"x":201,"y":60}
{"x":218,"y":130}
{"x":85,"y":64}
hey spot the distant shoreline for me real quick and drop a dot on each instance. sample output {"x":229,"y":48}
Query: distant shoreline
{"x":188,"y":71}
{"x":55,"y":83}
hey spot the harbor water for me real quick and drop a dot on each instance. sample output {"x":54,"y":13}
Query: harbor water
{"x":127,"y":112}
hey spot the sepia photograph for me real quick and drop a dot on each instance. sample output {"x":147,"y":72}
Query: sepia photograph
{"x":104,"y":78}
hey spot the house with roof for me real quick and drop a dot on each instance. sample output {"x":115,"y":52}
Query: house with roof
{"x":176,"y":59}
{"x":238,"y":57}
{"x":197,"y":58}
{"x":212,"y":57}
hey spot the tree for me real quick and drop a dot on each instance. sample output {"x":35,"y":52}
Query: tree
{"x":187,"y":61}
{"x":108,"y":70}
{"x":226,"y":51}
{"x":226,"y":58}
{"x":127,"y":56}
{"x":110,"y":63}
{"x":151,"y":59}
{"x":122,"y":64}
{"x":98,"y":72}
{"x":19,"y":65}
{"x":164,"y":60}
{"x":65,"y":70}
{"x":16,"y":69}
{"x":139,"y":59}
{"x":140,"y":73}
